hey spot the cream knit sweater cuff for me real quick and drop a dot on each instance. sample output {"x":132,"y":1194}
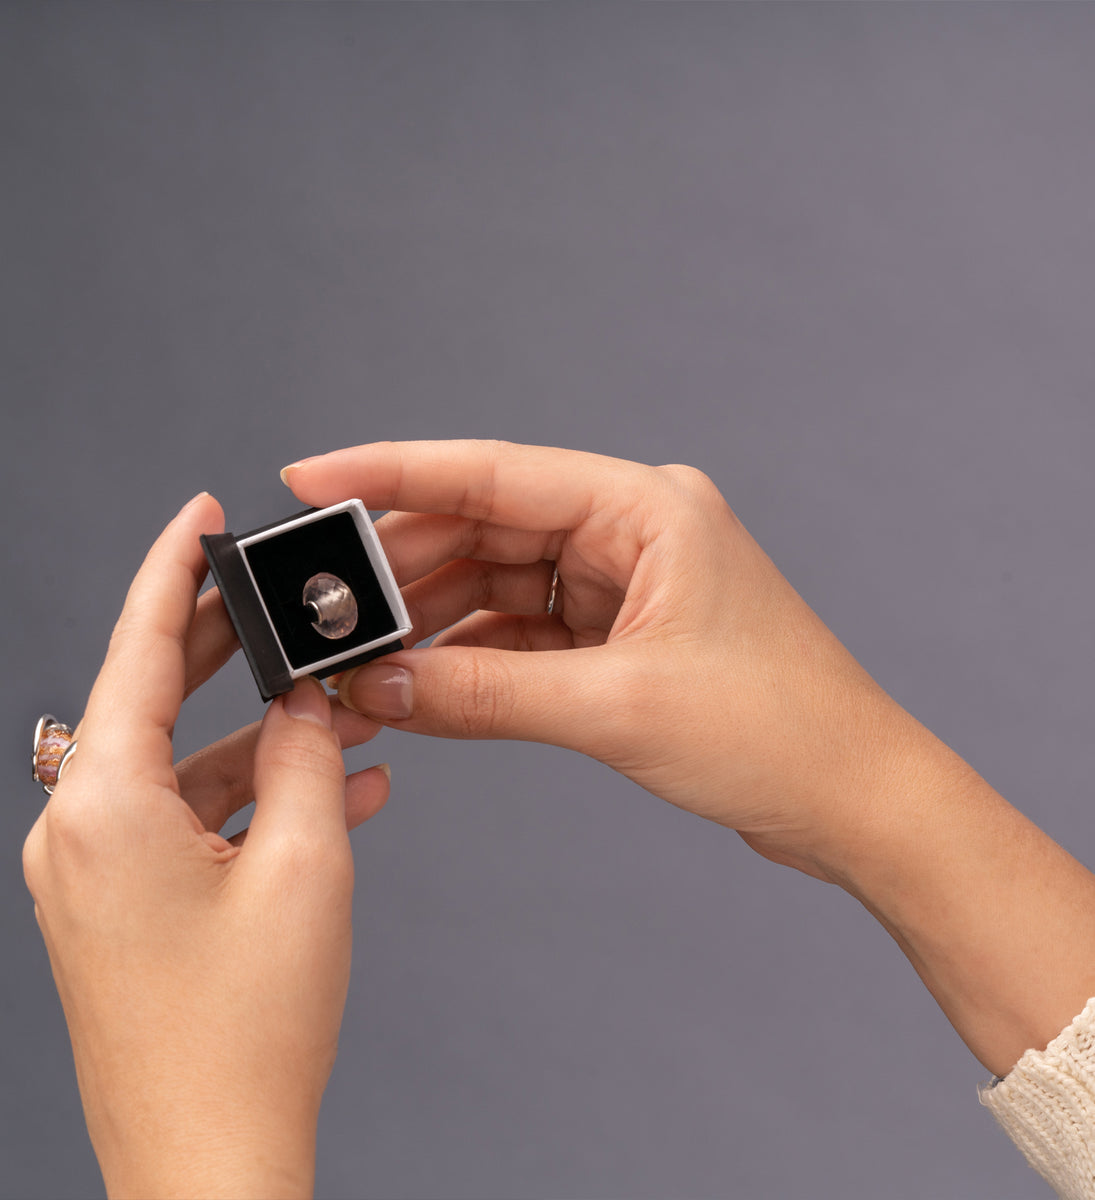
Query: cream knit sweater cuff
{"x":1046,"y":1105}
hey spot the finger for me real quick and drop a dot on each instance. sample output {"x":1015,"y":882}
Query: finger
{"x":460,"y":601}
{"x":502,"y":631}
{"x":299,"y":776}
{"x":366,"y":794}
{"x":573,"y":698}
{"x":464,"y":586}
{"x":219,"y":780}
{"x":529,"y":487}
{"x":417,"y":543}
{"x":137,"y":695}
{"x":211,"y":642}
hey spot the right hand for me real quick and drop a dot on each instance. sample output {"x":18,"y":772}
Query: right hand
{"x":684,"y":659}
{"x":678,"y":654}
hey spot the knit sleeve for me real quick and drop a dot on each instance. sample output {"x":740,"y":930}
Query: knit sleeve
{"x":1046,"y":1105}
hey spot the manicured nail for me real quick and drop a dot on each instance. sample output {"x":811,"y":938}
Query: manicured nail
{"x":379,"y":690}
{"x":293,"y":466}
{"x":308,"y":702}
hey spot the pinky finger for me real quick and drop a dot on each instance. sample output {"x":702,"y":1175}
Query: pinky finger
{"x":366,"y":793}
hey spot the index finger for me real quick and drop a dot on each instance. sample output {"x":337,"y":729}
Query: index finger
{"x":526,"y":487}
{"x":136,"y":698}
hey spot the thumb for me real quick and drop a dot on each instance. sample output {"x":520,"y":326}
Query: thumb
{"x":299,"y":775}
{"x":555,"y":696}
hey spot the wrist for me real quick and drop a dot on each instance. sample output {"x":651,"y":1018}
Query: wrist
{"x":241,"y":1173}
{"x":900,"y":813}
{"x":217,"y":1157}
{"x":994,"y":916}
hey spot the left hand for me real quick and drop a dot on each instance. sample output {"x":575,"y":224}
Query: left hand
{"x":203,"y":980}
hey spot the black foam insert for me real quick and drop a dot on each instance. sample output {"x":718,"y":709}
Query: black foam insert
{"x":283,"y":563}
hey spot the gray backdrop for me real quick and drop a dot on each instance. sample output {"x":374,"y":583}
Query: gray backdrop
{"x":840,"y":257}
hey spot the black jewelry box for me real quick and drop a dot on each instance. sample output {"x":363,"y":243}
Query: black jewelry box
{"x":309,"y":595}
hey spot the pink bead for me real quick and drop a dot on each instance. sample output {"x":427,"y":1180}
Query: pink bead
{"x":53,"y":744}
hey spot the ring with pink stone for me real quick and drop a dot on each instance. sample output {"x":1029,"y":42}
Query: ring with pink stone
{"x":54,"y":745}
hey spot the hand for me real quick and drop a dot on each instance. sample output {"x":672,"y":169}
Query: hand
{"x":680,"y":656}
{"x":678,"y":653}
{"x":203,"y":980}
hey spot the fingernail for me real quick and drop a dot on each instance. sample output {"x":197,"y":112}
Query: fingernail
{"x":386,"y":768}
{"x":378,"y":690}
{"x":191,"y":502}
{"x":308,"y":702}
{"x":292,"y":467}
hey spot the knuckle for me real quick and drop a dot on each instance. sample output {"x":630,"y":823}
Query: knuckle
{"x":496,"y":447}
{"x":475,"y":535}
{"x":703,"y":497}
{"x":33,"y":859}
{"x":631,"y":713}
{"x":306,"y":856}
{"x":483,"y":698}
{"x":69,"y":825}
{"x":478,"y":499}
{"x":691,"y":479}
{"x":300,"y":853}
{"x":311,"y":751}
{"x":482,"y":586}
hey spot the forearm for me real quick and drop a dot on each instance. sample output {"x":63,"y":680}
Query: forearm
{"x":997,"y":919}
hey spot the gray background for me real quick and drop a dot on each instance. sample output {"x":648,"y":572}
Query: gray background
{"x":840,"y":257}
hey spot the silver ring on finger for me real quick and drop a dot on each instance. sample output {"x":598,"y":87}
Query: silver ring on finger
{"x":554,"y":590}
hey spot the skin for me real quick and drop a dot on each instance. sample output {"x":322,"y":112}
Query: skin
{"x":678,"y":655}
{"x":179,"y":955}
{"x":682,"y":658}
